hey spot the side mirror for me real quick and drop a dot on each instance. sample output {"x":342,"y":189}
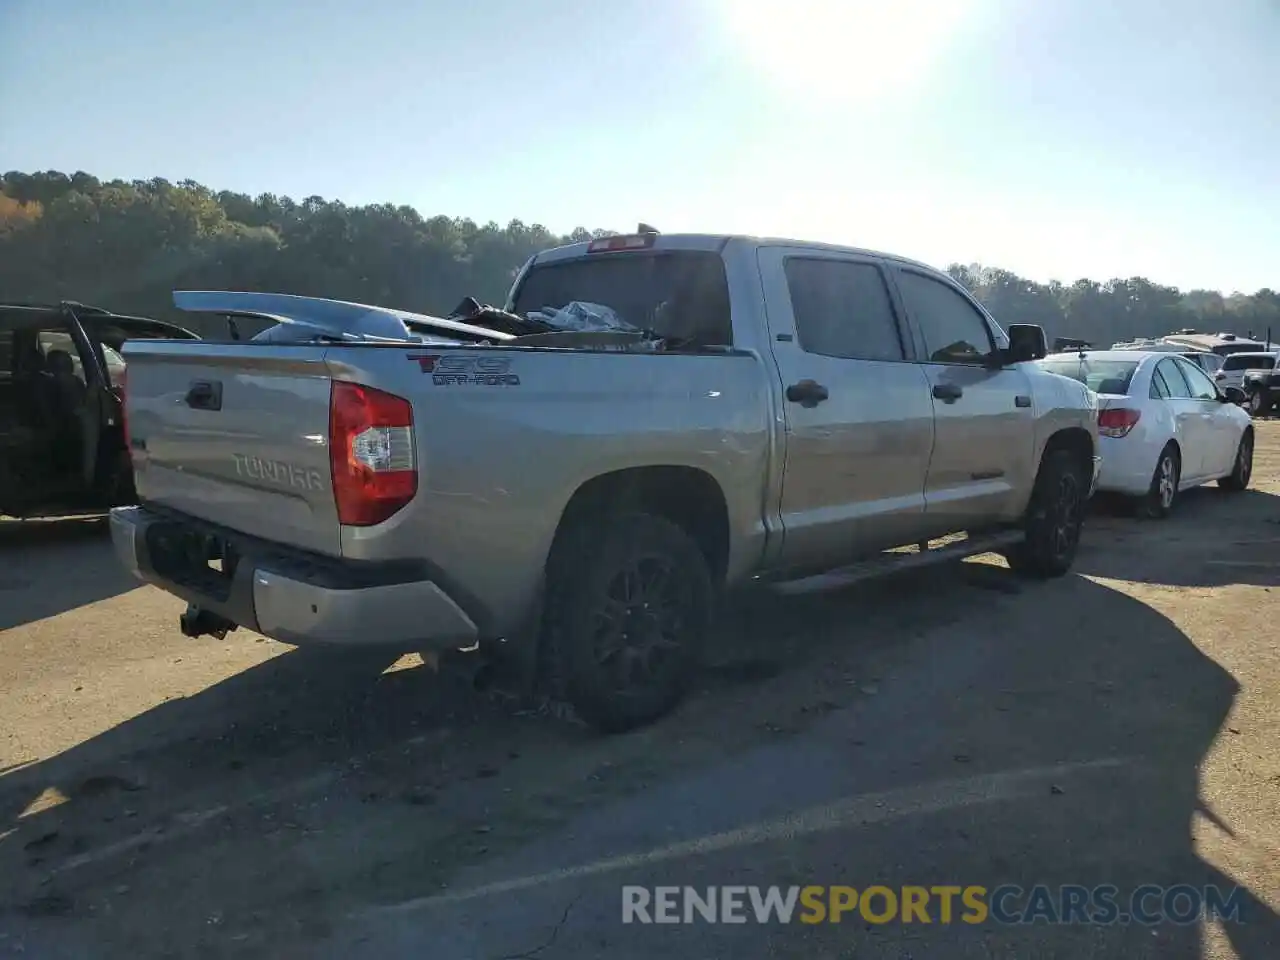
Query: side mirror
{"x":1234,"y":395}
{"x":1026,"y":342}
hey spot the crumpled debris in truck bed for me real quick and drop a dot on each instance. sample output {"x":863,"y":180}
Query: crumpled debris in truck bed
{"x":585,"y":317}
{"x":478,"y":314}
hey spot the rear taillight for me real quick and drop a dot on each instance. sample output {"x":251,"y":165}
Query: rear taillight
{"x":1117,"y":421}
{"x":371,"y":453}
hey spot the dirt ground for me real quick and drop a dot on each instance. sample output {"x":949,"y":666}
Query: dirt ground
{"x":167,"y":797}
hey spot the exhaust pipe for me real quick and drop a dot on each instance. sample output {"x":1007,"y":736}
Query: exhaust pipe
{"x":196,"y":622}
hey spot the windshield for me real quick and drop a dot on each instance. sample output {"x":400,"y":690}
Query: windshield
{"x":1250,"y":361}
{"x":680,"y":296}
{"x":1100,"y":376}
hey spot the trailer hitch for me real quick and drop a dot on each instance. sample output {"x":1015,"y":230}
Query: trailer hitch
{"x":196,"y":622}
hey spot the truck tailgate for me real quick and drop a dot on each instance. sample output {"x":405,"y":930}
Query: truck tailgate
{"x":236,"y":434}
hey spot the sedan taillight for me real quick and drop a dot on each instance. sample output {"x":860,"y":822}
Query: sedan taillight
{"x":1117,"y":421}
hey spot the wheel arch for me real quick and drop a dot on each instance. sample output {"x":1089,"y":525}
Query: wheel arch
{"x":689,"y":497}
{"x":1075,"y":440}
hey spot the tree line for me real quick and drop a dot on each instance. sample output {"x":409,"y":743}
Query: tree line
{"x":125,"y":245}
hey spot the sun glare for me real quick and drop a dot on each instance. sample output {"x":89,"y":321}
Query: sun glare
{"x":844,"y":49}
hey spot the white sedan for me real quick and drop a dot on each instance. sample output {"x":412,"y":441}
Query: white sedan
{"x":1163,"y":425}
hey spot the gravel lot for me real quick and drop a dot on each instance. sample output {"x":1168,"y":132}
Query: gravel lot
{"x":167,"y":797}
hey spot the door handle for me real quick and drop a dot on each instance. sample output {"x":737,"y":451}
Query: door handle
{"x":947,"y":392}
{"x":204,"y":395}
{"x":807,"y":393}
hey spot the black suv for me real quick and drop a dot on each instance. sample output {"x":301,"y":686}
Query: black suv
{"x":62,"y":446}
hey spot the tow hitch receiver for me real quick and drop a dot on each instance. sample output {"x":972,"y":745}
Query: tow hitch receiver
{"x":201,"y":623}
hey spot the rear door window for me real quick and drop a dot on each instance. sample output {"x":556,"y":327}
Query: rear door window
{"x":842,"y":309}
{"x":1174,"y":380}
{"x":52,"y":343}
{"x":680,"y":295}
{"x":1202,"y":387}
{"x":1159,"y":388}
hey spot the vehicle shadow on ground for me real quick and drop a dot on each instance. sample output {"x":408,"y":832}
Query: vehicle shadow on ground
{"x":923,"y":669}
{"x":1070,"y":671}
{"x":50,"y":566}
{"x":1234,"y":538}
{"x":1058,"y":673}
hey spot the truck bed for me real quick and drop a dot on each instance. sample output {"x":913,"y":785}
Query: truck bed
{"x":502,"y":438}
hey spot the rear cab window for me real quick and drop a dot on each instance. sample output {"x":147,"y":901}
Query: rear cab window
{"x":1249,"y":361}
{"x":1100,"y":376}
{"x":679,"y":295}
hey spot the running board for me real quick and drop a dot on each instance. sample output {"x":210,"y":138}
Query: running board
{"x":952,"y":548}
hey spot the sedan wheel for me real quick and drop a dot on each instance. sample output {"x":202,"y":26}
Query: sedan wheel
{"x":1160,"y":498}
{"x":1242,"y":469}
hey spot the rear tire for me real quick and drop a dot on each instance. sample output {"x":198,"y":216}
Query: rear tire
{"x":1054,"y":519}
{"x":629,"y":602}
{"x":1242,"y":469}
{"x":1163,"y":492}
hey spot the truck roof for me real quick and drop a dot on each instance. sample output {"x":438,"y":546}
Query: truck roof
{"x":715,"y":242}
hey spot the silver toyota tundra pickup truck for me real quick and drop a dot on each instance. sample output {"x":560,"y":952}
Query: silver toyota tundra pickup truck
{"x":683,"y":413}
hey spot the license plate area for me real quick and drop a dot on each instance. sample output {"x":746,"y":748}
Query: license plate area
{"x":195,"y":559}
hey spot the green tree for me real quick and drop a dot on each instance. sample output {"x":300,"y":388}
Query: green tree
{"x":127,"y":245}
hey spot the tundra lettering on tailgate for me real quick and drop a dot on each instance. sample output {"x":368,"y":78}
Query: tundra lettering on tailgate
{"x":279,"y":472}
{"x":452,"y":369}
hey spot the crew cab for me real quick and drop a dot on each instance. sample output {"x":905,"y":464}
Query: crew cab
{"x":573,"y":479}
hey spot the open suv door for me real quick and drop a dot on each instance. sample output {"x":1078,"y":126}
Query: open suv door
{"x":61,"y":432}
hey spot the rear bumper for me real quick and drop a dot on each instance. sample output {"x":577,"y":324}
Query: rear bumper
{"x":291,"y":596}
{"x":1129,"y":466}
{"x":1097,"y":473}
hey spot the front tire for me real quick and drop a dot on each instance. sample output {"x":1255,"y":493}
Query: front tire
{"x":1242,"y":469}
{"x":629,"y":603}
{"x":1163,"y":492}
{"x":1259,"y":402}
{"x":1055,"y":518}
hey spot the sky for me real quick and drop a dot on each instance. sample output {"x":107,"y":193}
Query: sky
{"x":1054,"y":138}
